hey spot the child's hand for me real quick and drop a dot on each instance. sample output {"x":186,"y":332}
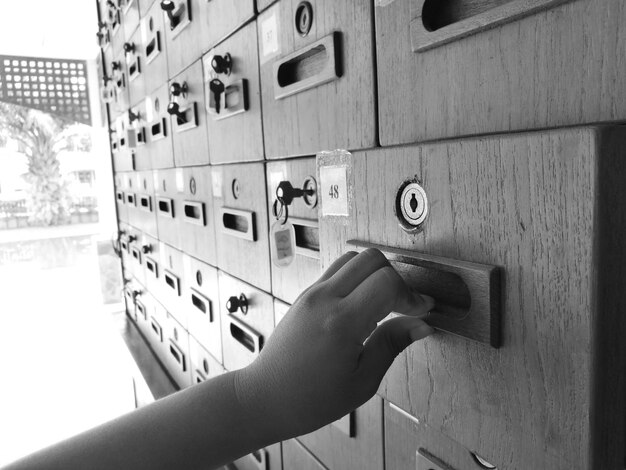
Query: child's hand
{"x":316,"y":368}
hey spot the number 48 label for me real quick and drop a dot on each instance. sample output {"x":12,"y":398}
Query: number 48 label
{"x":334,"y":182}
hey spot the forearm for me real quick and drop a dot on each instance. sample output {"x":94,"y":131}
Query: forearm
{"x":202,"y":427}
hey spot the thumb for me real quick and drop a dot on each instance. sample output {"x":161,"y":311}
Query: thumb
{"x":387,"y":341}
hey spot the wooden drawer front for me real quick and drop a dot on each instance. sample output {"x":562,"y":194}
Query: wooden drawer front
{"x":116,"y":70}
{"x":144,"y":312}
{"x":189,"y":132}
{"x":173,"y":282}
{"x":222,"y":17}
{"x":203,"y":365}
{"x":289,"y":280}
{"x":132,"y":291}
{"x":121,"y":188}
{"x":535,"y":205}
{"x":135,"y":63}
{"x":156,"y":328}
{"x":296,"y":457}
{"x":243,"y":334}
{"x":145,"y":7}
{"x":159,"y":128}
{"x":202,"y":302}
{"x":241,"y":225}
{"x":136,"y":135}
{"x":122,"y":154}
{"x":317,"y":89}
{"x":489,"y":80}
{"x":130,"y":16}
{"x":268,"y":458}
{"x":183,"y":46}
{"x":168,"y":187}
{"x":113,"y":13}
{"x":355,"y":441}
{"x":412,"y":444}
{"x":177,"y":360}
{"x":197,"y":221}
{"x":153,"y":48}
{"x":233,"y":98}
{"x":263,"y":4}
{"x":142,"y":214}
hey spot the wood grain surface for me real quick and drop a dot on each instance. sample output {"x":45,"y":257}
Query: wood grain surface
{"x":339,"y":114}
{"x":566,"y":73}
{"x":259,"y":318}
{"x":153,"y":26}
{"x":191,"y":146}
{"x":223,"y":17}
{"x":237,"y":137}
{"x":183,"y":47}
{"x":248,"y":260}
{"x":336,"y":449}
{"x":530,"y":203}
{"x":295,"y":456}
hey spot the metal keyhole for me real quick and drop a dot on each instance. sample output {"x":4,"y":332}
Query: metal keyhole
{"x":411,"y":206}
{"x":236,"y":188}
{"x":304,"y":18}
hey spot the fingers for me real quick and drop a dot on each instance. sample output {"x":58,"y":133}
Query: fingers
{"x":387,"y":341}
{"x":356,"y":270}
{"x":382,"y":292}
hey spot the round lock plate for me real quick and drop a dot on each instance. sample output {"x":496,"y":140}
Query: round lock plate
{"x":145,"y":184}
{"x":192,"y":185}
{"x":199,"y":277}
{"x":157,"y":105}
{"x":176,"y":334}
{"x":411,"y":206}
{"x":205,"y":365}
{"x":164,"y":186}
{"x":304,"y":18}
{"x":236,"y":188}
{"x":310,"y":185}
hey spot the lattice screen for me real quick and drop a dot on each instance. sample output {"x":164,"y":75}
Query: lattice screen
{"x":56,"y":86}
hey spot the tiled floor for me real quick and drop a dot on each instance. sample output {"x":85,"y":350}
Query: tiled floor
{"x":63,"y":366}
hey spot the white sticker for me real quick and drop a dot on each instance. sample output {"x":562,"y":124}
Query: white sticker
{"x":276,"y":176}
{"x":216,"y":178}
{"x":269,"y":36}
{"x":334,"y":190}
{"x":180,"y":180}
{"x":149,"y":110}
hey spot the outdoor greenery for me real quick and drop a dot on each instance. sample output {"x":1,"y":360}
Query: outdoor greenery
{"x":41,"y":137}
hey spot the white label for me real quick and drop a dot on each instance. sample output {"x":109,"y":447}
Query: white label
{"x":334,"y":190}
{"x":216,"y":177}
{"x":276,"y":176}
{"x":180,"y":180}
{"x":269,"y":36}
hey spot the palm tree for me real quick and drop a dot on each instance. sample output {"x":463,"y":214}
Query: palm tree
{"x":41,"y":137}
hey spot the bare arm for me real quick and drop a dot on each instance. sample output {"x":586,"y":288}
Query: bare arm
{"x":326,"y":358}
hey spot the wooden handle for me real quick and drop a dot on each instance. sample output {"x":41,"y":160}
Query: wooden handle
{"x":245,"y":336}
{"x":312,"y":66}
{"x":482,"y":17}
{"x":193,"y":212}
{"x":467,"y":295}
{"x":238,"y":223}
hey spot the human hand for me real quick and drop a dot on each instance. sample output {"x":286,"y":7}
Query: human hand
{"x":328,"y":355}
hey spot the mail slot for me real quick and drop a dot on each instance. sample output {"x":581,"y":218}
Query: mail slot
{"x":188,"y":117}
{"x":240,"y":217}
{"x":485,"y":211}
{"x":184,"y":32}
{"x":457,"y":52}
{"x":172,"y":286}
{"x":142,"y":214}
{"x":290,"y":278}
{"x":247,"y":321}
{"x":177,"y":359}
{"x":202,"y":302}
{"x":153,"y":45}
{"x":233,"y":98}
{"x":197,"y":224}
{"x":316,"y":83}
{"x":159,"y":128}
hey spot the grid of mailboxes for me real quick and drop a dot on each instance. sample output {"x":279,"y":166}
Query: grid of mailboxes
{"x":213,"y":105}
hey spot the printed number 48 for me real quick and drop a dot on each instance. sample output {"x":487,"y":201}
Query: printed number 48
{"x":334,"y":191}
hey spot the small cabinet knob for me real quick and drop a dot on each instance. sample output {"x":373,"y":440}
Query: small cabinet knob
{"x":115,"y":65}
{"x":176,"y":89}
{"x":237,"y":303}
{"x":132,"y":117}
{"x":146,"y":248}
{"x":131,"y":238}
{"x":222,"y":64}
{"x":129,"y":47}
